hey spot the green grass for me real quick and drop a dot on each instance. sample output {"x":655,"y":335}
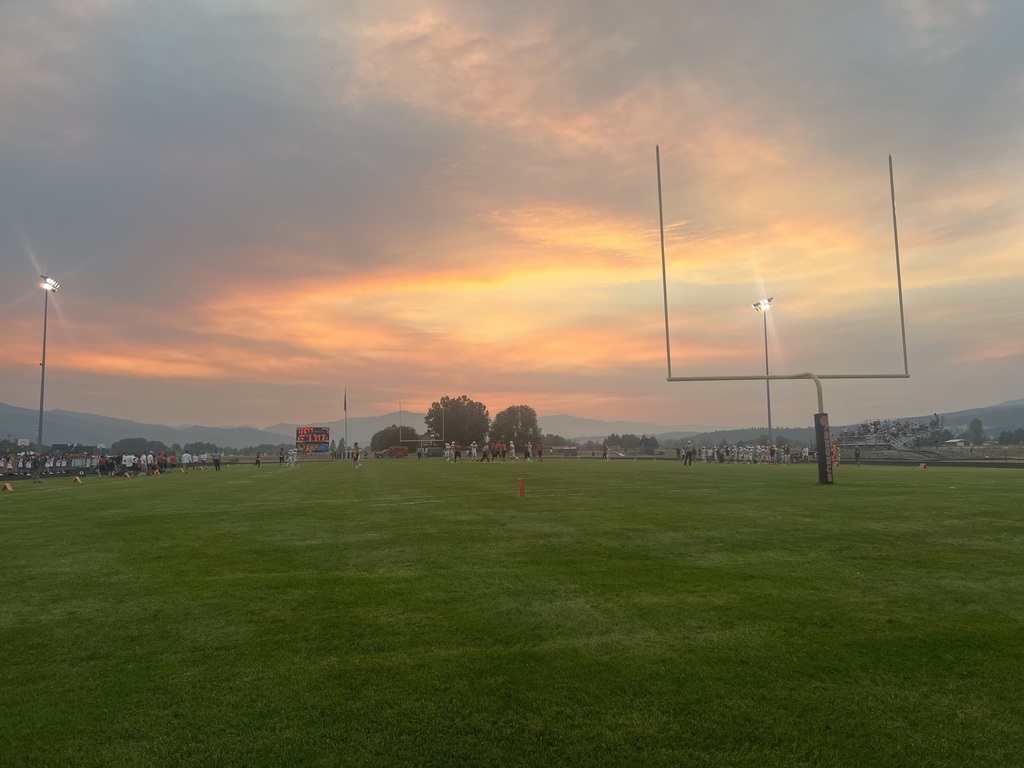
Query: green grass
{"x":421,"y":613}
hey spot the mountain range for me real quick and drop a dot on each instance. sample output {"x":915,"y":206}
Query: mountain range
{"x":92,"y":429}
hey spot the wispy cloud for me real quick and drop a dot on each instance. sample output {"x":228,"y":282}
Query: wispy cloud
{"x":441,"y":196}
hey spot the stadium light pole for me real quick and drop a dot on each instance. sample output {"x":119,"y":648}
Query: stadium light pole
{"x":763,"y":306}
{"x":49,"y":286}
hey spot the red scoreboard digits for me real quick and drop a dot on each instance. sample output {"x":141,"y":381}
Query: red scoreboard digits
{"x":313,"y":439}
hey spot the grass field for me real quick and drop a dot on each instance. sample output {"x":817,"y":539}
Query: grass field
{"x":420,"y":613}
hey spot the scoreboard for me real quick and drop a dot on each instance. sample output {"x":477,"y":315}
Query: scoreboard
{"x":311,"y":439}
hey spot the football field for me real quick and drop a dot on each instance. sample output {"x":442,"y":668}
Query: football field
{"x":422,"y":613}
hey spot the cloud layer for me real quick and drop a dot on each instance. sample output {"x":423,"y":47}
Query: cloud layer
{"x":251,"y":208}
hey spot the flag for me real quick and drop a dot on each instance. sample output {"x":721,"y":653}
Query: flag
{"x":346,"y":401}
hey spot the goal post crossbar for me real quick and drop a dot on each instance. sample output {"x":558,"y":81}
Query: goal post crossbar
{"x":817,"y":378}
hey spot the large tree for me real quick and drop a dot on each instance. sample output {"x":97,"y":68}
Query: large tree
{"x":625,"y":442}
{"x":460,"y":419}
{"x":392,"y":435}
{"x":518,"y":424}
{"x":1011,"y":438}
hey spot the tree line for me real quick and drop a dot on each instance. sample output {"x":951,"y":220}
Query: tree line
{"x":464,"y":420}
{"x":137,"y":445}
{"x":976,"y":434}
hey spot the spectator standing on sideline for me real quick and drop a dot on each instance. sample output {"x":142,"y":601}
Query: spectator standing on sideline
{"x":216,"y":460}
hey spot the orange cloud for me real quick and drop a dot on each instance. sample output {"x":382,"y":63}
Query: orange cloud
{"x":603,"y":235}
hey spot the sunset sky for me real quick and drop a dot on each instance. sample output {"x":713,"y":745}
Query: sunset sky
{"x":251,"y":206}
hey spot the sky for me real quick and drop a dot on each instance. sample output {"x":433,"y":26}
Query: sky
{"x":253,"y":207}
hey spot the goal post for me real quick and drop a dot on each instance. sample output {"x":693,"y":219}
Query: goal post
{"x":825,"y":463}
{"x":418,"y":439}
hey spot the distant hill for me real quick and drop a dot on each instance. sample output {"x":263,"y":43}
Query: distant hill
{"x":750,"y":435}
{"x":995,"y":418}
{"x":93,"y":429}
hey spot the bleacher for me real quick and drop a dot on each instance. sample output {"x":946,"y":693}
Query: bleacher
{"x":892,"y":435}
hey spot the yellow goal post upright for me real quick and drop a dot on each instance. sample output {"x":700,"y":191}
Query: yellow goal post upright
{"x":821,"y":427}
{"x":419,"y":439}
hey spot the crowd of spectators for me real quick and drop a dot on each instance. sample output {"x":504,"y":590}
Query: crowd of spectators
{"x":63,"y":463}
{"x":913,"y":432}
{"x":23,"y":463}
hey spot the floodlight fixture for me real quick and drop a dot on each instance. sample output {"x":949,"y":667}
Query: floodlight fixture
{"x":49,"y":284}
{"x":763,"y":305}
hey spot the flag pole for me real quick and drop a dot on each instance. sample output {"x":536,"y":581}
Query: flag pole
{"x":345,"y":406}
